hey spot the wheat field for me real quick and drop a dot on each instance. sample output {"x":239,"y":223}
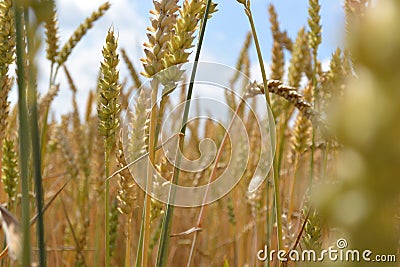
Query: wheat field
{"x":303,"y":159}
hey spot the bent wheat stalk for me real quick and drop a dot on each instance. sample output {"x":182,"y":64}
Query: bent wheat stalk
{"x":275,"y":173}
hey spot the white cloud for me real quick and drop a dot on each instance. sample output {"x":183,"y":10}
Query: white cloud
{"x":255,"y":70}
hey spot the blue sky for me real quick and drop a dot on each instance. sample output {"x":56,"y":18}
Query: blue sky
{"x":223,"y":40}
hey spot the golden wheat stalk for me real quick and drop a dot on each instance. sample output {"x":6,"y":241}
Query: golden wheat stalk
{"x":314,"y":22}
{"x":298,"y":62}
{"x":52,"y":35}
{"x":108,"y":111}
{"x":131,"y":68}
{"x":77,"y":35}
{"x":278,"y":59}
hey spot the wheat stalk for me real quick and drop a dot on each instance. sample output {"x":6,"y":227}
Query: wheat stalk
{"x":52,"y":35}
{"x":108,"y":115}
{"x":298,"y":62}
{"x":132,"y":71}
{"x":314,"y":22}
{"x":278,"y":59}
{"x":77,"y":35}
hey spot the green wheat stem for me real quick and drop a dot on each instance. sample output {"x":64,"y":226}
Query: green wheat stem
{"x":259,"y":54}
{"x":35,"y":143}
{"x":97,"y":242}
{"x":140,"y":243}
{"x":291,"y":197}
{"x":108,"y":117}
{"x":24,"y":147}
{"x":166,"y":228}
{"x":267,"y":98}
{"x":107,"y":204}
{"x":314,"y":82}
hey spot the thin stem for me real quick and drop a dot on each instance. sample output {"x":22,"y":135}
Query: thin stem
{"x":267,"y":220}
{"x":96,"y":258}
{"x":35,"y":142}
{"x":267,"y":98}
{"x":152,"y":143}
{"x":314,"y":82}
{"x":107,"y":205}
{"x":325,"y":160}
{"x":166,"y":229}
{"x":155,"y":122}
{"x":23,"y":135}
{"x":142,"y":157}
{"x":259,"y":54}
{"x":296,"y":168}
{"x":46,"y":113}
{"x":141,"y":233}
{"x":140,"y":243}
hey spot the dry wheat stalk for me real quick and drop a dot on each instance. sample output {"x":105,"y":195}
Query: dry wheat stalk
{"x":52,"y":35}
{"x":108,"y":110}
{"x":139,"y":127}
{"x":278,"y":60}
{"x":301,"y":137}
{"x":314,"y":22}
{"x":63,"y":143}
{"x":71,"y":83}
{"x":132,"y":71}
{"x":66,"y":50}
{"x":242,"y":65}
{"x":45,"y":101}
{"x":298,"y":62}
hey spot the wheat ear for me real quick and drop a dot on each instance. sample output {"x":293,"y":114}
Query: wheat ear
{"x":160,"y":32}
{"x":108,"y":114}
{"x":66,"y":50}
